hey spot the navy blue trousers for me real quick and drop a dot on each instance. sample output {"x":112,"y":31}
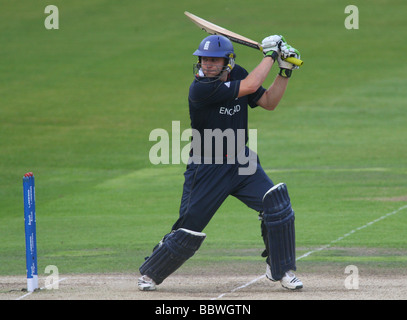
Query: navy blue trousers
{"x":207,"y":186}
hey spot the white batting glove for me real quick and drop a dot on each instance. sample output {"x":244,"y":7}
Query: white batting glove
{"x":287,"y":51}
{"x":272,"y":43}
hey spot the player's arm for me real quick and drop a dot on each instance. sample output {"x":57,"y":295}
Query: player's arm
{"x":255,"y":79}
{"x":272,"y":96}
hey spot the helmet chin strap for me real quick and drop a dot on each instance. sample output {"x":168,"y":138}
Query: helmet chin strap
{"x":231,"y":63}
{"x":223,"y":74}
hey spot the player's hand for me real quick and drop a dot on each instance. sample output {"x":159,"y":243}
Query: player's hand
{"x":287,"y":51}
{"x":272,"y":43}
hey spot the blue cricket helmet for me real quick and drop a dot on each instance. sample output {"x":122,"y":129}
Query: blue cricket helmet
{"x":215,"y":46}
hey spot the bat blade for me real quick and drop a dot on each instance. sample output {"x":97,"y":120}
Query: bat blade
{"x":212,"y":28}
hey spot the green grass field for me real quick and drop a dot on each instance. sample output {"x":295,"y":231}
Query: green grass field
{"x":77,"y":106}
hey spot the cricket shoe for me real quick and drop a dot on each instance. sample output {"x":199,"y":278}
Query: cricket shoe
{"x":146,"y":284}
{"x":288,"y":281}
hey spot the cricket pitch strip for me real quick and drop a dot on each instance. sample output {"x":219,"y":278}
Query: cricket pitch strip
{"x":317,"y":286}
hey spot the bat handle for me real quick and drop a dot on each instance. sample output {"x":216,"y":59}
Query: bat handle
{"x":295,"y":61}
{"x":292,"y":60}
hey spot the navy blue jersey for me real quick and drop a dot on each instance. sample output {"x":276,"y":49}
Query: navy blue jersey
{"x":213,"y":104}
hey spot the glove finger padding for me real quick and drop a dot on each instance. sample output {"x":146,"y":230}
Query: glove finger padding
{"x":272,"y":43}
{"x":287,"y":51}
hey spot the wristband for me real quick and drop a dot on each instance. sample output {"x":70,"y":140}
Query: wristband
{"x":272,"y":54}
{"x":285,"y":73}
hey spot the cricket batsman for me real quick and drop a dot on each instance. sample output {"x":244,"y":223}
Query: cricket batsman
{"x":219,"y":97}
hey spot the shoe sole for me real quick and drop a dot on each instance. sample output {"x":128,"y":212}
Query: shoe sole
{"x":288,"y":288}
{"x":146,"y":288}
{"x":296,"y":288}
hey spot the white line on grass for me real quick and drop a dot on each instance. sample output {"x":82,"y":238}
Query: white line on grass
{"x":317,"y":250}
{"x":46,"y":287}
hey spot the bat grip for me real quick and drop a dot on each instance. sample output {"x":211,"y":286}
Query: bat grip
{"x":292,"y":60}
{"x":295,"y":61}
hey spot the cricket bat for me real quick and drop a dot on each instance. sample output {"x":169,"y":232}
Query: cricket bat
{"x":212,"y":28}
